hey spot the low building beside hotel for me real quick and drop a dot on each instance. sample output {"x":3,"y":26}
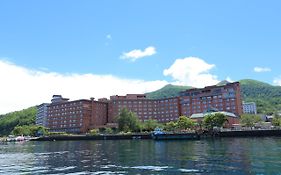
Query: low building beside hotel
{"x":249,"y":108}
{"x":232,"y":119}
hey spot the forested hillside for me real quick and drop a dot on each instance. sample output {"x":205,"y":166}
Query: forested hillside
{"x":18,"y":118}
{"x":167,"y":91}
{"x":266,"y":96}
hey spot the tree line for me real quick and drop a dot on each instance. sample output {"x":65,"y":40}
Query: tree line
{"x":128,"y":121}
{"x":23,"y":123}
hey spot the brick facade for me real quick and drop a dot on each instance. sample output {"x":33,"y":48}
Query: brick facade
{"x":223,"y":98}
{"x":82,"y":115}
{"x":162,"y":110}
{"x":76,"y":116}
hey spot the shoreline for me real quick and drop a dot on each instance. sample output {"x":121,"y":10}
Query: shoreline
{"x":248,"y":133}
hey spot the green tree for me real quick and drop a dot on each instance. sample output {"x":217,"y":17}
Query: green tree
{"x":20,"y":130}
{"x":214,"y":120}
{"x":94,"y":132}
{"x":36,"y":130}
{"x":128,"y":121}
{"x":108,"y":130}
{"x":276,"y":121}
{"x":249,"y":120}
{"x":19,"y":118}
{"x":150,"y":125}
{"x":184,"y":123}
{"x":170,"y":126}
{"x":32,"y":130}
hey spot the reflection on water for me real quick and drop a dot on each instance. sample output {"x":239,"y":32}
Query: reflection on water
{"x":218,"y":156}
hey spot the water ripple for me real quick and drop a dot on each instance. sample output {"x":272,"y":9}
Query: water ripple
{"x":215,"y":156}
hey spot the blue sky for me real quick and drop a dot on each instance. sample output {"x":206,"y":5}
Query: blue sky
{"x":182,"y":42}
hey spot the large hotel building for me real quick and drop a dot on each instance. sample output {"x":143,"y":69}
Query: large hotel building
{"x":162,"y":110}
{"x":82,"y":115}
{"x":75,"y":116}
{"x":223,"y":98}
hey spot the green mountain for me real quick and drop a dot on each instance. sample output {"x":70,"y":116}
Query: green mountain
{"x":18,"y":118}
{"x":167,"y":91}
{"x":266,"y":96}
{"x":224,"y":82}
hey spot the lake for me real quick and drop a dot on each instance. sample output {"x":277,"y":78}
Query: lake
{"x":211,"y":156}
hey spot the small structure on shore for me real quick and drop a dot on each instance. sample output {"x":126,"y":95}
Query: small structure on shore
{"x":232,"y":119}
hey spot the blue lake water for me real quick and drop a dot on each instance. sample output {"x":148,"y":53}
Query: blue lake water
{"x":211,"y":156}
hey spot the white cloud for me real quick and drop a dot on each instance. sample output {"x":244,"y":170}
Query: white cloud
{"x":192,"y":71}
{"x":137,"y":53}
{"x":229,"y":79}
{"x":108,"y":37}
{"x":262,"y":69}
{"x":22,"y":87}
{"x":277,"y":81}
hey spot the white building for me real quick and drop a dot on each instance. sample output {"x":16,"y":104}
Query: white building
{"x":249,"y":108}
{"x":42,"y":113}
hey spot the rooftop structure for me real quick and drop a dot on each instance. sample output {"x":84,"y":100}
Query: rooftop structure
{"x":232,"y":119}
{"x":58,"y":99}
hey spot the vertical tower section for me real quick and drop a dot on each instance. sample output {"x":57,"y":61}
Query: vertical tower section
{"x":42,"y":114}
{"x":99,"y":113}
